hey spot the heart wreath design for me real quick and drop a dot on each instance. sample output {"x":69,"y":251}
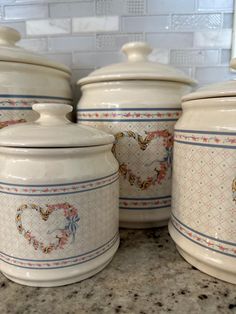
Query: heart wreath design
{"x":143,"y":142}
{"x":62,"y":238}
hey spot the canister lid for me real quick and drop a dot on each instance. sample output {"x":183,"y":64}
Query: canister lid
{"x":223,"y":89}
{"x":52,"y":129}
{"x":10,"y":52}
{"x":137,"y":67}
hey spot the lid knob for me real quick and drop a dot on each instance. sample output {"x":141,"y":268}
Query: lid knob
{"x":52,"y":114}
{"x":8,"y":36}
{"x":136,"y":51}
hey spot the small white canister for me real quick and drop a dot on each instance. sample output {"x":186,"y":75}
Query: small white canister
{"x":138,"y":101}
{"x":204,"y":180}
{"x":59,"y":200}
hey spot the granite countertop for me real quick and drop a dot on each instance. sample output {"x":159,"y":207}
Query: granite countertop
{"x":147,"y":275}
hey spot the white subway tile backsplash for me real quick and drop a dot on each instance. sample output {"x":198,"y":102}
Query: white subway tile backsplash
{"x":196,"y":21}
{"x":194,"y":57}
{"x":228,"y":20}
{"x":193,"y":35}
{"x":115,"y":41}
{"x":215,"y":5}
{"x":31,"y":11}
{"x":95,"y":59}
{"x":95,"y":24}
{"x":225,"y":56}
{"x":170,"y":6}
{"x":58,"y":10}
{"x":145,"y":23}
{"x":80,"y":43}
{"x":48,"y":27}
{"x":37,"y":45}
{"x":206,"y":75}
{"x":170,"y":40}
{"x":65,"y":58}
{"x":110,"y":7}
{"x":221,"y":38}
{"x":159,"y":55}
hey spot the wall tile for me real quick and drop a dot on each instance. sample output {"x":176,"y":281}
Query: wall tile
{"x":194,"y":57}
{"x":82,"y":43}
{"x":215,"y":5}
{"x":196,"y":21}
{"x":15,"y":12}
{"x":48,"y":27}
{"x":116,"y":41}
{"x":170,"y":40}
{"x":225,"y":56}
{"x":19,"y":26}
{"x":170,"y":6}
{"x":110,"y":7}
{"x":206,"y":75}
{"x":94,"y":60}
{"x":159,"y":55}
{"x":65,"y":58}
{"x":228,"y":20}
{"x":119,"y":7}
{"x":220,"y":38}
{"x":37,"y":45}
{"x":187,"y":70}
{"x":95,"y":24}
{"x":58,"y":10}
{"x":135,"y":7}
{"x":146,"y":23}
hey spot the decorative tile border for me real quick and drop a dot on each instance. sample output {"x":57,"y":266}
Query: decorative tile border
{"x":25,"y":102}
{"x":58,"y":189}
{"x":129,"y":114}
{"x":145,"y":203}
{"x":205,"y":138}
{"x":208,"y":242}
{"x":59,"y":263}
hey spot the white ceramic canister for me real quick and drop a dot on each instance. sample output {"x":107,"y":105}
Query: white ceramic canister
{"x":139,"y":102}
{"x":27,"y":78}
{"x":204,"y":180}
{"x":59,"y":200}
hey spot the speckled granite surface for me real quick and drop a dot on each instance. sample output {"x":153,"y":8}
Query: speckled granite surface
{"x":146,"y":276}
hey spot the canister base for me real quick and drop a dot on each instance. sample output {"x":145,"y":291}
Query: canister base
{"x":143,"y":225}
{"x":143,"y":219}
{"x":212,"y":263}
{"x":60,"y":277}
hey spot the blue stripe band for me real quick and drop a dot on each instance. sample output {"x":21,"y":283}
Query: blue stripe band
{"x":202,"y":234}
{"x":207,"y":145}
{"x":127,"y":120}
{"x":63,"y":193}
{"x":129,"y":109}
{"x":33,"y":96}
{"x":145,"y":208}
{"x":205,"y":132}
{"x":145,"y":198}
{"x":64,"y":184}
{"x":205,"y":247}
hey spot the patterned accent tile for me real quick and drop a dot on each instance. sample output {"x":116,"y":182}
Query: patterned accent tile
{"x":194,"y":57}
{"x":196,"y":21}
{"x":115,"y":41}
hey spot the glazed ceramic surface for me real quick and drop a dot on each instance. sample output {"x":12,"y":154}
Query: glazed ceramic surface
{"x":25,"y":79}
{"x":139,"y":102}
{"x":59,"y":217}
{"x":204,"y":182}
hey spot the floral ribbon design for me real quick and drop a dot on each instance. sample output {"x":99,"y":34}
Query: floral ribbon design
{"x":143,"y":142}
{"x":62,"y":236}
